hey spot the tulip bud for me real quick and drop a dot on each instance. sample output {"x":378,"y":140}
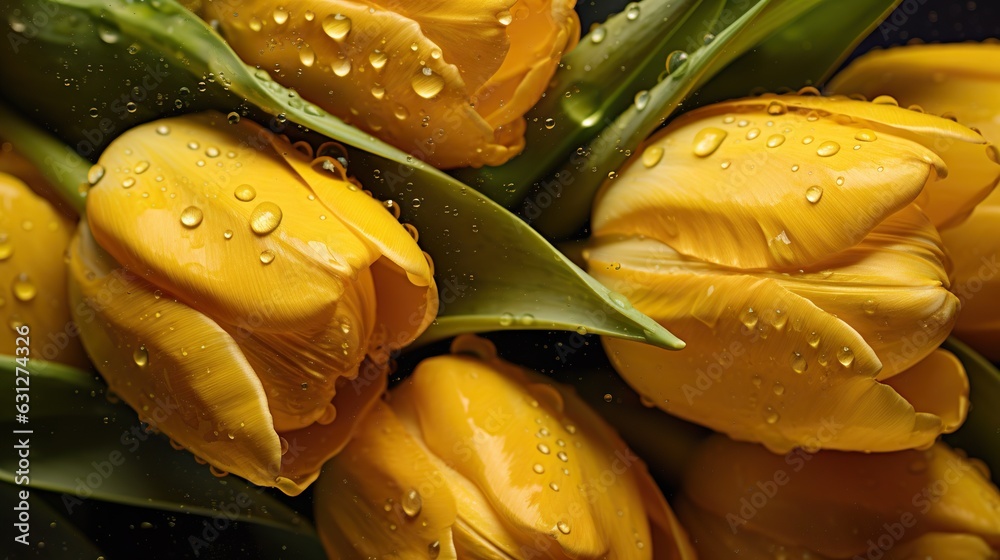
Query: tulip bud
{"x":249,"y":295}
{"x":963,"y":81}
{"x":448,"y":82}
{"x":33,"y":240}
{"x":740,"y":499}
{"x":473,"y":457}
{"x":785,"y":240}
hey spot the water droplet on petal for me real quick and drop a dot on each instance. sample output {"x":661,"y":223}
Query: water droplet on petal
{"x":191,"y":217}
{"x":749,"y":318}
{"x":411,"y":503}
{"x":434,"y":549}
{"x":641,"y":100}
{"x":267,"y":257}
{"x":563,"y":527}
{"x":776,"y":108}
{"x":598,"y":34}
{"x":778,"y":389}
{"x":505,"y":17}
{"x":885,"y":100}
{"x":870,"y":306}
{"x":95,"y":174}
{"x":23,"y":288}
{"x":337,"y":26}
{"x":845,"y":356}
{"x":538,"y":468}
{"x":265,"y":218}
{"x":246,"y":193}
{"x":775,"y":140}
{"x":632,"y":11}
{"x":427,"y":84}
{"x":799,"y":364}
{"x":813,"y":339}
{"x":280,"y":16}
{"x":652,"y":155}
{"x":140,"y":356}
{"x":377,"y":59}
{"x":708,"y":140}
{"x":307,"y":56}
{"x":550,"y":123}
{"x":771,"y":416}
{"x":753,"y":133}
{"x":865,"y":135}
{"x":814,"y":193}
{"x":827,"y":149}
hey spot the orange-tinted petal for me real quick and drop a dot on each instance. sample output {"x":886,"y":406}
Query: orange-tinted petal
{"x":833,"y":502}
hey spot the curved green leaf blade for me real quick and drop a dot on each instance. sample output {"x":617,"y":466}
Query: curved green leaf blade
{"x":619,"y":140}
{"x":520,"y":282}
{"x":808,"y":51}
{"x":980,"y":434}
{"x":85,"y":447}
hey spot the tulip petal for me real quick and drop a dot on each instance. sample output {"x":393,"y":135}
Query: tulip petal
{"x":367,"y":505}
{"x":834,"y":502}
{"x":33,"y":238}
{"x":758,"y":355}
{"x":146,"y":233}
{"x":974,"y":248}
{"x":778,"y":182}
{"x":534,"y":456}
{"x":892,"y":288}
{"x":416,"y":99}
{"x":954,"y":79}
{"x":943,"y":546}
{"x":177,"y":368}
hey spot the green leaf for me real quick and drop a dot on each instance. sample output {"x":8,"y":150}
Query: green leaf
{"x":496,"y":272}
{"x":85,"y":447}
{"x":595,"y":82}
{"x":806,"y":52}
{"x":583,"y":176}
{"x":979,"y":436}
{"x":46,"y":525}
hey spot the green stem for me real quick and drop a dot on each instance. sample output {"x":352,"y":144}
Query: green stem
{"x":59,"y":164}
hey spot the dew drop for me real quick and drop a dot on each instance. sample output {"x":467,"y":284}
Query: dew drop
{"x":814,"y":193}
{"x":140,"y":356}
{"x":778,"y":389}
{"x":776,"y":108}
{"x":827,"y":149}
{"x":280,"y":16}
{"x":307,"y":56}
{"x":885,"y":100}
{"x":228,"y":234}
{"x":775,"y":140}
{"x":598,"y":34}
{"x":708,"y":140}
{"x":641,"y":100}
{"x":411,"y":503}
{"x":652,"y":155}
{"x":401,"y":112}
{"x":632,"y":11}
{"x":870,"y":306}
{"x":6,"y":248}
{"x":191,"y":217}
{"x":283,"y":445}
{"x":749,"y":318}
{"x":434,"y":549}
{"x":865,"y":135}
{"x":562,"y":456}
{"x":255,"y":24}
{"x":771,"y":417}
{"x":799,"y":364}
{"x":337,"y":26}
{"x":131,"y":107}
{"x":538,"y":468}
{"x":245,"y":193}
{"x":753,"y":133}
{"x":427,"y":84}
{"x":377,"y":59}
{"x":563,"y":527}
{"x":675,"y":60}
{"x":108,"y":35}
{"x":95,"y":174}
{"x":267,"y":257}
{"x":813,"y":339}
{"x":550,"y":123}
{"x":505,"y":17}
{"x":23,"y":288}
{"x":265,"y":218}
{"x":141,"y":167}
{"x":543,"y":449}
{"x":845,"y":356}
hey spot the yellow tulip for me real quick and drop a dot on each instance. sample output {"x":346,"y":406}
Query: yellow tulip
{"x":740,"y":499}
{"x":33,"y":241}
{"x":244,"y":284}
{"x":962,"y":80}
{"x":473,"y":457}
{"x":448,"y":82}
{"x":785,"y":240}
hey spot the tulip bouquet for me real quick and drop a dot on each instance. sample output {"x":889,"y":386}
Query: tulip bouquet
{"x":443,"y":279}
